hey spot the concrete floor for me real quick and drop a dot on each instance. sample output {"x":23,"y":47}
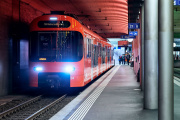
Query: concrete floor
{"x":176,"y":102}
{"x":121,"y":100}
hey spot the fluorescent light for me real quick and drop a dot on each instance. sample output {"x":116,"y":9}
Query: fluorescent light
{"x":53,"y":18}
{"x":129,"y":40}
{"x":174,"y":44}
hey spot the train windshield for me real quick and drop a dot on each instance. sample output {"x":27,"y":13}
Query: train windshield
{"x":59,"y":46}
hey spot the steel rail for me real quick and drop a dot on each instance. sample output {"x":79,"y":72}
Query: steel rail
{"x":41,"y":111}
{"x":20,"y":106}
{"x":176,"y":70}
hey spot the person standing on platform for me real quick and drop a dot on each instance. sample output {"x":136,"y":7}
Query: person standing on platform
{"x":123,"y":59}
{"x":128,"y":57}
{"x":120,"y":60}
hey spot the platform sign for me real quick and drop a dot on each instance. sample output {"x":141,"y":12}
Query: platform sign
{"x":176,"y":2}
{"x":133,"y":33}
{"x":127,"y":37}
{"x":133,"y":25}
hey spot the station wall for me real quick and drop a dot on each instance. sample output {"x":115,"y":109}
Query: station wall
{"x":5,"y":29}
{"x":15,"y":17}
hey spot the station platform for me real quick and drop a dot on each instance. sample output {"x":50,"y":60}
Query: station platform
{"x":115,"y":96}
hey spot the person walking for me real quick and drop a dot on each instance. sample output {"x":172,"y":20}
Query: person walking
{"x":128,"y":57}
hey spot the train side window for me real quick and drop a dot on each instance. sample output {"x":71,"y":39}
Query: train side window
{"x":99,"y":49}
{"x":88,"y":48}
{"x":95,"y":58}
{"x":103,"y":54}
{"x":94,"y":53}
{"x":106,"y":50}
{"x":112,"y":54}
{"x":108,"y":54}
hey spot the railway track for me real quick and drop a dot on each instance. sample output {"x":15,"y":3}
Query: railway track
{"x":177,"y":72}
{"x":31,"y":109}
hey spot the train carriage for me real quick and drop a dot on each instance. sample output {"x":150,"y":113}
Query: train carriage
{"x":64,"y":53}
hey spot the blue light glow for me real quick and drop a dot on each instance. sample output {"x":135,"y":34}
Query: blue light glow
{"x":69,"y":69}
{"x":53,"y":18}
{"x":38,"y":68}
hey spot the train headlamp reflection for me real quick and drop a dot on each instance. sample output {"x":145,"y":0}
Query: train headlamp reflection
{"x":38,"y":69}
{"x":69,"y":69}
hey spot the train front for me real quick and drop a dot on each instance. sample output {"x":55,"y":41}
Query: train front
{"x":56,"y":52}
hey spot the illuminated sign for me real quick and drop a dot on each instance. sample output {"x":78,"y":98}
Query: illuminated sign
{"x":127,"y":37}
{"x":42,"y":58}
{"x":133,"y":33}
{"x":133,"y":25}
{"x":176,"y":2}
{"x":54,"y":24}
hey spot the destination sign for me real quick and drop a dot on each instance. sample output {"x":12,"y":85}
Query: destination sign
{"x":53,"y":24}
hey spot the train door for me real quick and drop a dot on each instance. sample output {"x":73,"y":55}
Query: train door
{"x":106,"y":62}
{"x":99,"y":58}
{"x":85,"y":59}
{"x":103,"y":59}
{"x":92,"y":60}
{"x":108,"y":57}
{"x":88,"y":60}
{"x":96,"y":59}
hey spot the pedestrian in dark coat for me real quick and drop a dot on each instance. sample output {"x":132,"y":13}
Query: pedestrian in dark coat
{"x":120,"y":59}
{"x":128,"y":57}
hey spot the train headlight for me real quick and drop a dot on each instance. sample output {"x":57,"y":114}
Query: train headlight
{"x":69,"y":69}
{"x":38,"y":69}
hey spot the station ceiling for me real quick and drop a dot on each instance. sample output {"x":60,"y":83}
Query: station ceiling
{"x":108,"y":18}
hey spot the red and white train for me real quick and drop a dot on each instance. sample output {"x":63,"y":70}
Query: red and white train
{"x":63,"y":52}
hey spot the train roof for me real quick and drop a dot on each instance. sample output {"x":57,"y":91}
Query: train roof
{"x":90,"y":32}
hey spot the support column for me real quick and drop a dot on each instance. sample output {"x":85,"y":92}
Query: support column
{"x":151,"y":54}
{"x":142,"y":47}
{"x":166,"y":85}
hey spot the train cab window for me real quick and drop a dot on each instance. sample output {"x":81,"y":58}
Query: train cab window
{"x":59,"y":46}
